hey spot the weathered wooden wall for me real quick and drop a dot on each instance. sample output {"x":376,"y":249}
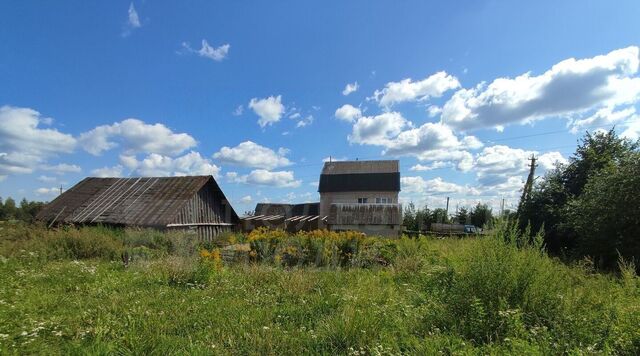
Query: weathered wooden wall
{"x":206,"y":214}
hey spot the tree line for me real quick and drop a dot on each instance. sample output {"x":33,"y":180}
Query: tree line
{"x":25,"y":211}
{"x":589,"y":207}
{"x":420,"y":219}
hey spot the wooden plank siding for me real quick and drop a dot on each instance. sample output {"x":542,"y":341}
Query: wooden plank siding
{"x":207,"y":214}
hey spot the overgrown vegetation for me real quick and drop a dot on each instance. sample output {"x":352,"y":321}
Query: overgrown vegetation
{"x":589,"y":208}
{"x":26,"y":211}
{"x":70,"y":291}
{"x":420,"y":219}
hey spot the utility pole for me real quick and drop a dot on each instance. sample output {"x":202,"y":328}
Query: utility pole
{"x":446,"y":215}
{"x":502,"y":208}
{"x":528,"y":186}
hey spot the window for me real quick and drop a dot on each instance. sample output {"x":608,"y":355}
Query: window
{"x":383,"y":200}
{"x":362,"y":200}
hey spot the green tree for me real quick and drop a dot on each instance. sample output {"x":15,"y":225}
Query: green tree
{"x":462,"y":216}
{"x":606,"y":216}
{"x":481,"y":215}
{"x":439,"y":215}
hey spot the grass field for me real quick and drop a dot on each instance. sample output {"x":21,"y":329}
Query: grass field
{"x":68,"y":292}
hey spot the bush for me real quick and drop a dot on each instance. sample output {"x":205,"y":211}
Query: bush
{"x":320,"y":248}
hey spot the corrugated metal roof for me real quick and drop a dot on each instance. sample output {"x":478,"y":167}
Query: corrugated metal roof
{"x":145,"y":201}
{"x":360,"y":182}
{"x":354,"y":167}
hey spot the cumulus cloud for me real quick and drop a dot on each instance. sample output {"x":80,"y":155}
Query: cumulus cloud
{"x":429,"y":167}
{"x":115,"y":171}
{"x":158,"y":165}
{"x":632,"y":130}
{"x":50,"y":192}
{"x":433,"y":186}
{"x":378,"y":130}
{"x":270,"y":109}
{"x":280,"y":179}
{"x":569,"y":87}
{"x":251,"y":154}
{"x":246,"y":199}
{"x":238,"y":110}
{"x":551,"y":160}
{"x":348,"y":113}
{"x":497,"y":164}
{"x":350,"y":88}
{"x":207,"y":51}
{"x":135,"y":136}
{"x":429,"y":142}
{"x":606,"y":116}
{"x":24,"y":144}
{"x":433,"y":86}
{"x":61,"y":168}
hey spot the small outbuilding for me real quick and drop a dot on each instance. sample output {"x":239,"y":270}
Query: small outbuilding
{"x":193,"y":204}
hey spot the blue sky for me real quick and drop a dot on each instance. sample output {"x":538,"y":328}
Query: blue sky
{"x":254,"y":92}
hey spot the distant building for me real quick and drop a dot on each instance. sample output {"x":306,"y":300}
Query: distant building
{"x":361,"y":196}
{"x":289,"y":217}
{"x":193,"y":204}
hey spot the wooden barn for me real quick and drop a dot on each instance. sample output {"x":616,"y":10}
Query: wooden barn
{"x":193,"y":204}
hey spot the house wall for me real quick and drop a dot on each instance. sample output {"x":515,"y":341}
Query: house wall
{"x":326,"y":199}
{"x":206,"y":214}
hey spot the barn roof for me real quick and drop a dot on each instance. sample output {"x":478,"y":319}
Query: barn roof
{"x":146,"y":201}
{"x":360,"y":176}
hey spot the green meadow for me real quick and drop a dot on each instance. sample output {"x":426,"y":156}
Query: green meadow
{"x":105,"y":291}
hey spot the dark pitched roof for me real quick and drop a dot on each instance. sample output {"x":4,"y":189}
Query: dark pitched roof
{"x":360,"y":176}
{"x":148,"y":201}
{"x":353,"y":167}
{"x":360,"y":182}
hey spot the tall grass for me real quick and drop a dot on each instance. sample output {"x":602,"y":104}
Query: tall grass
{"x":309,"y":293}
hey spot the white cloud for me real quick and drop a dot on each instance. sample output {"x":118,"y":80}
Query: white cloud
{"x":251,"y":154}
{"x":280,"y":179}
{"x":238,"y":111}
{"x":246,"y":199}
{"x":433,"y":186}
{"x":495,"y":165}
{"x":408,"y":90}
{"x":270,"y":109}
{"x":569,"y":87}
{"x":133,"y":21}
{"x":334,"y":159}
{"x":62,"y":168}
{"x":47,"y":179}
{"x":24,"y":145}
{"x":350,"y":88}
{"x":52,"y":192}
{"x":434,"y":110}
{"x":207,"y":51}
{"x":432,"y":166}
{"x":158,"y":165}
{"x":135,"y":136}
{"x":428,"y":137}
{"x":378,"y":130}
{"x":550,"y":160}
{"x":632,"y":130}
{"x":348,"y":113}
{"x":606,"y":116}
{"x":115,"y":171}
{"x":308,"y":120}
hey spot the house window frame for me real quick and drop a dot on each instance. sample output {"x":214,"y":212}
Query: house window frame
{"x":383,"y":200}
{"x":363,"y":200}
